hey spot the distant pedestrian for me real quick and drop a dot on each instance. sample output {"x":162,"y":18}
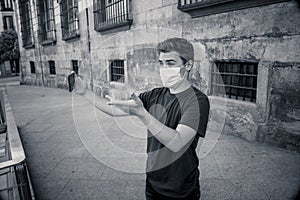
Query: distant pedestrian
{"x":175,"y":115}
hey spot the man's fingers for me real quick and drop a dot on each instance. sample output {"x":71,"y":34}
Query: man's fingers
{"x":130,"y":103}
{"x":118,"y":103}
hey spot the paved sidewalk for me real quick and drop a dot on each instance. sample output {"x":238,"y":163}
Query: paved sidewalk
{"x":12,"y":80}
{"x":65,"y":163}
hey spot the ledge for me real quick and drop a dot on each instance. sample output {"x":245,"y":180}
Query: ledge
{"x":112,"y":28}
{"x":7,"y":9}
{"x":205,"y":8}
{"x":28,"y":46}
{"x":71,"y":37}
{"x":48,"y":42}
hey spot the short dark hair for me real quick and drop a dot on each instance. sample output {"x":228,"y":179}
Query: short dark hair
{"x":183,"y":59}
{"x":180,"y":45}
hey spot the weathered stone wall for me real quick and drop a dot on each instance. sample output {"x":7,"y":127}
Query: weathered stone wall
{"x":267,"y":34}
{"x":283,"y":125}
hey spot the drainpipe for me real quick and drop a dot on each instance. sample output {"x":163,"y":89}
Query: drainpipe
{"x":39,"y":48}
{"x":89,"y":47}
{"x":41,"y":64}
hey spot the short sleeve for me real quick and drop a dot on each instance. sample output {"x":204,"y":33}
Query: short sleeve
{"x":145,"y":97}
{"x":195,"y":115}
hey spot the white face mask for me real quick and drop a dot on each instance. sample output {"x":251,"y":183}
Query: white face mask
{"x":170,"y":77}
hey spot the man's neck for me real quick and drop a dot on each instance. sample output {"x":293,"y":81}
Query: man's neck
{"x":182,"y":87}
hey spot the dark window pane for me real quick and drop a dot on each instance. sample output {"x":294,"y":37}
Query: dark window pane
{"x":32,"y":67}
{"x":75,"y":66}
{"x":52,"y":67}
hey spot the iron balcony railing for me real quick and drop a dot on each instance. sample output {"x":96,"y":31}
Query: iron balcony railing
{"x":111,"y":14}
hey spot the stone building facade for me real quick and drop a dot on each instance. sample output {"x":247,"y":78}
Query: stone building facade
{"x":247,"y":53}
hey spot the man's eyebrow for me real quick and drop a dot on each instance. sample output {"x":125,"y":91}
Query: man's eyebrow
{"x":171,"y":60}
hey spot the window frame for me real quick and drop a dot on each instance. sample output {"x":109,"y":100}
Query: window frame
{"x":8,"y":22}
{"x":210,"y":7}
{"x":110,"y":17}
{"x":52,"y":68}
{"x":46,"y":22}
{"x":238,"y":75}
{"x":69,"y":19}
{"x":110,"y":71}
{"x":26,"y":23}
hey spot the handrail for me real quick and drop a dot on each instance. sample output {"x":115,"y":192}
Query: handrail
{"x":17,"y":154}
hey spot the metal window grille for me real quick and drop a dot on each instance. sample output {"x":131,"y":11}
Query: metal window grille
{"x":8,"y":23}
{"x":69,"y":18}
{"x":6,"y":5}
{"x":117,"y":71}
{"x":52,"y":67}
{"x":239,"y":79}
{"x":32,"y":67}
{"x":199,"y":8}
{"x":187,"y":2}
{"x":26,"y":23}
{"x":75,"y":66}
{"x":46,"y":21}
{"x":110,"y":13}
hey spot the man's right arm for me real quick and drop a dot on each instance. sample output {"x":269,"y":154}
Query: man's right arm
{"x":100,"y":103}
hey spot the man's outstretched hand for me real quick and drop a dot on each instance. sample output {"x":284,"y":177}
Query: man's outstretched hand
{"x":132,"y":106}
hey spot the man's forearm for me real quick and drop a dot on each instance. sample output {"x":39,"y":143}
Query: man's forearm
{"x":163,"y":133}
{"x":101,"y":104}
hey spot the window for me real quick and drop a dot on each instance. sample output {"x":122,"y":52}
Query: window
{"x":238,"y":78}
{"x":6,"y":5}
{"x":75,"y":66}
{"x":198,"y":8}
{"x":52,"y":67}
{"x":32,"y":67}
{"x":69,"y":19}
{"x":26,"y":24}
{"x":117,"y":71}
{"x":8,"y":23}
{"x":112,"y":14}
{"x":46,"y":21}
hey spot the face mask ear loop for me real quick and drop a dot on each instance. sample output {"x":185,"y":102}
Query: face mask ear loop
{"x":186,"y":73}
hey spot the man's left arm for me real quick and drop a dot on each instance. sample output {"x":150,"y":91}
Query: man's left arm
{"x":173,"y":139}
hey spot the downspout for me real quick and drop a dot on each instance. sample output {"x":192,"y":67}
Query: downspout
{"x":89,"y":47}
{"x":39,"y":48}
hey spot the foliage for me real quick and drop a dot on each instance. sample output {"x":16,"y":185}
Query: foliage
{"x":9,"y":49}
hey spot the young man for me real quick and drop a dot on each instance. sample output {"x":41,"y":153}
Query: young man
{"x":175,"y":115}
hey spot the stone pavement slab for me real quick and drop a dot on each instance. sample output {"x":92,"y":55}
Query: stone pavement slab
{"x":55,"y":127}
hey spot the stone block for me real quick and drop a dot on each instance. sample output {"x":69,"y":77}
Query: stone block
{"x":145,"y":6}
{"x":276,"y":49}
{"x":278,"y":135}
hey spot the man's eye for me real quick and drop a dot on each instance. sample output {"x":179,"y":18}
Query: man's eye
{"x":171,"y":63}
{"x":161,"y":63}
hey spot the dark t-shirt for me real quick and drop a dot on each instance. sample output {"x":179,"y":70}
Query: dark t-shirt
{"x":175,"y":174}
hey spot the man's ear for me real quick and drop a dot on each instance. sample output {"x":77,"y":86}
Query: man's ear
{"x":189,"y":65}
